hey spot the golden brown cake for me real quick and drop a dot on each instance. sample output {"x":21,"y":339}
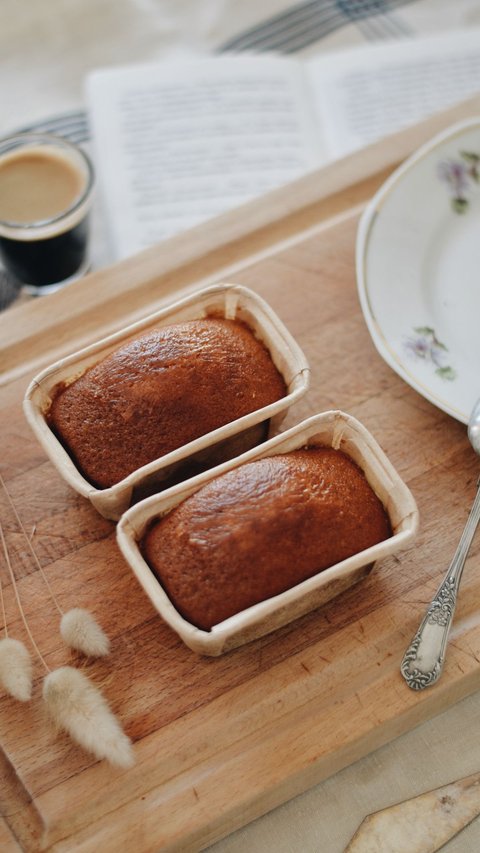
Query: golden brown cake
{"x":160,"y":391}
{"x":260,"y":529}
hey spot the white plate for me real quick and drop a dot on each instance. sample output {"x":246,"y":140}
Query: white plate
{"x":418,"y":263}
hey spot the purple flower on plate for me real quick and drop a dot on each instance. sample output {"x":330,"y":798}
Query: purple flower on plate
{"x":460,"y":175}
{"x":418,"y":346}
{"x":455,"y":174}
{"x":426,"y":346}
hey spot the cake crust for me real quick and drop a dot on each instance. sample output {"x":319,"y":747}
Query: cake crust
{"x":159,"y":392}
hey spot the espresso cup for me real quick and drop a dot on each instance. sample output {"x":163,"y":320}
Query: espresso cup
{"x":46,"y":187}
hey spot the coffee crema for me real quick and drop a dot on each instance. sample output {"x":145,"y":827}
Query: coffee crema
{"x":37,"y":184}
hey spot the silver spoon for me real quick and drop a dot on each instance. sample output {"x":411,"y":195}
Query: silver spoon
{"x":423,"y":661}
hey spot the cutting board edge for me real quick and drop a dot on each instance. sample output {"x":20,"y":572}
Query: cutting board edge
{"x":97,"y":835}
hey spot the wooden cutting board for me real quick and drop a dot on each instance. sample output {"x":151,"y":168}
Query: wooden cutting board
{"x":220,"y":741}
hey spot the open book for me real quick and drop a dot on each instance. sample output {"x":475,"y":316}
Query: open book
{"x":176,"y":143}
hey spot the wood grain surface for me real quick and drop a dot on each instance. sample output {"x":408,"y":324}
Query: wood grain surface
{"x":7,"y":841}
{"x":220,"y":741}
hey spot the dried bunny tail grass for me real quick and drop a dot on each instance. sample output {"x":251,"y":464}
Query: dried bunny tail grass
{"x":81,"y":631}
{"x":15,"y":669}
{"x":78,"y":707}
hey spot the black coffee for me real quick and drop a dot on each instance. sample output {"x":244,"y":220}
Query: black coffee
{"x":43,"y":220}
{"x":42,"y":262}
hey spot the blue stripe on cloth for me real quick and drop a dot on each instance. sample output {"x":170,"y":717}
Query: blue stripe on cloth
{"x":323,"y":16}
{"x":307,"y":27}
{"x":73,"y":126}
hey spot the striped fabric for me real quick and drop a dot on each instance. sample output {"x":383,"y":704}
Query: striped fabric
{"x":291,"y":31}
{"x":307,"y":23}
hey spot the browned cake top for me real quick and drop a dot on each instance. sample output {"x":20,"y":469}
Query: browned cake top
{"x":159,"y":392}
{"x":262,"y":528}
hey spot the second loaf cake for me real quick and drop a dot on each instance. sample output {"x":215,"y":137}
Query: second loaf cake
{"x":159,"y":392}
{"x":260,"y":529}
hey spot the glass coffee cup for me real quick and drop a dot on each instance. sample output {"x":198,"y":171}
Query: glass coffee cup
{"x":46,"y":188}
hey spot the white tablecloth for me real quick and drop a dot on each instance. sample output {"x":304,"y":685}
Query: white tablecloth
{"x":46,"y":48}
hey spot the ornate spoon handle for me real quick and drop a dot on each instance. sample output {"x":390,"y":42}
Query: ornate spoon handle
{"x":425,"y":656}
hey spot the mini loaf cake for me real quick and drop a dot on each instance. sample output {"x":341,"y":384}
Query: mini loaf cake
{"x":159,"y":392}
{"x":260,"y":529}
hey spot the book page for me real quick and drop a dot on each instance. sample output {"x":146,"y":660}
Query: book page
{"x":177,"y":143}
{"x":365,"y":93}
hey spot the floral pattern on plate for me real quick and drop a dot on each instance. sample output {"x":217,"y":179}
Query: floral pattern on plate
{"x":417,"y":262}
{"x":460,"y":175}
{"x":426,"y":346}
